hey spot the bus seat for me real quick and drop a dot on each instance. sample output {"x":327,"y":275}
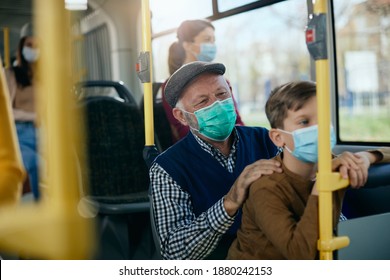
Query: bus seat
{"x":102,"y":88}
{"x":369,"y":238}
{"x":156,"y":238}
{"x":373,"y":198}
{"x":115,"y":141}
{"x":117,"y":176}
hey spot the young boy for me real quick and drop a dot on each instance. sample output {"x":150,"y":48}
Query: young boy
{"x":280,"y":216}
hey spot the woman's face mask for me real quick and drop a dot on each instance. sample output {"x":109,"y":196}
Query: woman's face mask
{"x":306,"y":143}
{"x":207,"y":53}
{"x":30,"y":54}
{"x":216,"y":121}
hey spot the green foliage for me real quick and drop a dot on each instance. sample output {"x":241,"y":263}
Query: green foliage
{"x":365,"y":126}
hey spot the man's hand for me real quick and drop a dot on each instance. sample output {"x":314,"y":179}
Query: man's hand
{"x":238,"y":193}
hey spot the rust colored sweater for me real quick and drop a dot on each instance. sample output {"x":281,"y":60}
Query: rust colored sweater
{"x":280,"y":219}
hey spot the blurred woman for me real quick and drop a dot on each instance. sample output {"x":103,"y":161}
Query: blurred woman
{"x":20,"y":80}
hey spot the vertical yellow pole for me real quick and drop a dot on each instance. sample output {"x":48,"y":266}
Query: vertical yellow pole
{"x":148,"y":91}
{"x":326,"y":180}
{"x":56,"y":104}
{"x":62,"y":127}
{"x":52,"y":228}
{"x":6,"y":48}
{"x":324,"y":167}
{"x":11,"y":167}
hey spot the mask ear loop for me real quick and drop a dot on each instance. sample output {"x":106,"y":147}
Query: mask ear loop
{"x":285,"y":146}
{"x":194,"y":53}
{"x":186,"y":112}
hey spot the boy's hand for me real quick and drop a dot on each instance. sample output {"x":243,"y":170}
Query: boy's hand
{"x":353,"y":167}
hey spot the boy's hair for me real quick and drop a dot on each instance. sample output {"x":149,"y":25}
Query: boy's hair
{"x":289,"y":96}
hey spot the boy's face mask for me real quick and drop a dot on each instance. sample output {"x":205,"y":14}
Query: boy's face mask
{"x":207,"y":52}
{"x":306,"y":143}
{"x":216,"y":121}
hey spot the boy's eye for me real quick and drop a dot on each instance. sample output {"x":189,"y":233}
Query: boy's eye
{"x":304,"y":122}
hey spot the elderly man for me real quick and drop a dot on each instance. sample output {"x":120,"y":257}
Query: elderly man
{"x":200,"y":183}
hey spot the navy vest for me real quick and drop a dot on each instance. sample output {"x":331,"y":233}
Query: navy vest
{"x":204,"y":178}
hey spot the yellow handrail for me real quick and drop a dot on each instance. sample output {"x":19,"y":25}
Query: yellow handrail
{"x":52,"y":228}
{"x":11,"y":166}
{"x":148,"y":90}
{"x":327,"y":181}
{"x":6,"y":47}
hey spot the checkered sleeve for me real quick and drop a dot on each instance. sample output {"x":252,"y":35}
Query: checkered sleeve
{"x":182,"y":234}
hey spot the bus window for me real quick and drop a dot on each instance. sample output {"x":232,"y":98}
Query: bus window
{"x":260,"y":48}
{"x":225,"y":5}
{"x":169,"y":14}
{"x":97,"y":56}
{"x":362,"y":42}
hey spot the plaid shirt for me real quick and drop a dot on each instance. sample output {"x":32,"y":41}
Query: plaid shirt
{"x":182,"y":235}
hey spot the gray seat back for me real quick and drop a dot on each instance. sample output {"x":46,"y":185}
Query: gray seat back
{"x":369,"y":238}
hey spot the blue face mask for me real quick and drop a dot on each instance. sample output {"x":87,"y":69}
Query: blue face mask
{"x":217,"y":121}
{"x":306,"y":143}
{"x":207,"y":52}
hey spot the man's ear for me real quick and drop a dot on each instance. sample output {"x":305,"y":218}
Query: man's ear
{"x":276,"y":137}
{"x":179,"y":115}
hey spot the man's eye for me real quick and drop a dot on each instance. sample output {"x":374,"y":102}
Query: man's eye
{"x":200,"y":103}
{"x":221,"y":94}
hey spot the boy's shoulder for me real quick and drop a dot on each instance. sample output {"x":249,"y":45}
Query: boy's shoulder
{"x":271,"y":181}
{"x":285,"y":183}
{"x":266,"y":182}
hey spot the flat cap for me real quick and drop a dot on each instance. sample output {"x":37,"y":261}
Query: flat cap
{"x":185,"y":74}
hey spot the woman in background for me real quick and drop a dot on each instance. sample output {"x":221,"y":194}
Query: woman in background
{"x":20,"y":80}
{"x":196,"y":42}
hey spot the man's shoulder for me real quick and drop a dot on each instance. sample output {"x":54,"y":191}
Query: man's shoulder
{"x":253,"y":129}
{"x":257,"y":137}
{"x":173,"y":150}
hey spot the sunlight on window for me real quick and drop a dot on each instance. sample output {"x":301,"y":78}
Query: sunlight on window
{"x":363,"y":59}
{"x":169,"y":14}
{"x":261,"y":49}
